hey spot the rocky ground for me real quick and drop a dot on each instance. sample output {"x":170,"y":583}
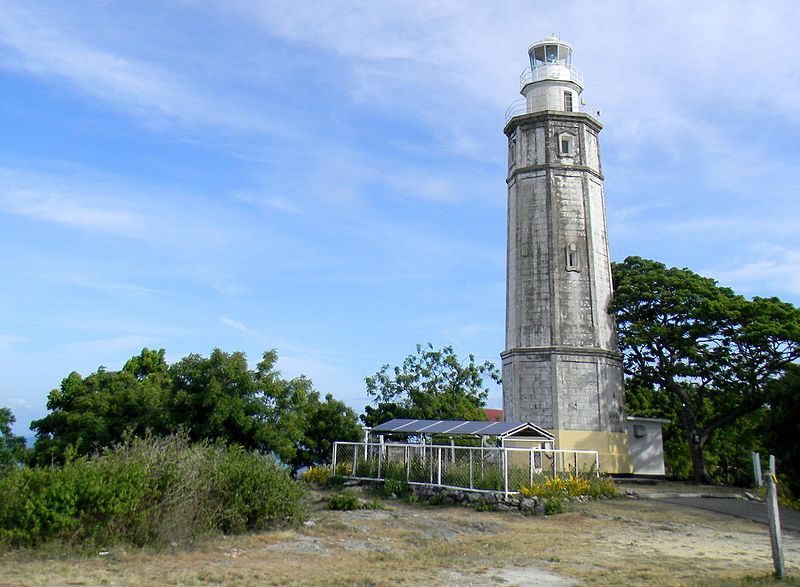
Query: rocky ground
{"x":629,"y":541}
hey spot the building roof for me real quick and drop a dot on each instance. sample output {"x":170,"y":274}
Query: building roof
{"x":493,"y":414}
{"x":468,"y":427}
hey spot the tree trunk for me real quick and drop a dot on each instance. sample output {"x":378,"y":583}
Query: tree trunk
{"x":699,"y":473}
{"x":694,"y":438}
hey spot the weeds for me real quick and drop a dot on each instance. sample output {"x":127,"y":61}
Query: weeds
{"x":572,"y":486}
{"x":147,"y":491}
{"x":346,"y":502}
{"x":316,"y":476}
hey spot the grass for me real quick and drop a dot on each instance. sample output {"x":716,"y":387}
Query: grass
{"x":607,"y":542}
{"x":147,"y":491}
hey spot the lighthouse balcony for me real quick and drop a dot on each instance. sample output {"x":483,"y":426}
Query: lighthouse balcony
{"x":554,"y":71}
{"x":521,"y":106}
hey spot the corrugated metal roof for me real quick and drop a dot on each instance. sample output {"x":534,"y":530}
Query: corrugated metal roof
{"x":474,"y":427}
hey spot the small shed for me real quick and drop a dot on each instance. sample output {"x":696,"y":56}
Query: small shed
{"x":646,"y":445}
{"x":510,"y":434}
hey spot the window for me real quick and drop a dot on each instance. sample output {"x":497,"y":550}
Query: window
{"x":566,"y":144}
{"x":639,"y":431}
{"x":568,"y":101}
{"x":572,"y":261}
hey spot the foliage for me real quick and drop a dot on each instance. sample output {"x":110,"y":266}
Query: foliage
{"x":12,"y":448}
{"x":433,"y":384}
{"x":219,"y":397}
{"x":336,"y":481}
{"x":94,"y":412}
{"x":780,"y":420}
{"x":709,"y":352}
{"x":553,"y":506}
{"x":375,"y":504}
{"x":147,"y":491}
{"x":213,"y":398}
{"x":344,"y":502}
{"x":326,"y":422}
{"x":571,"y":485}
{"x":396,"y":488}
{"x":316,"y":476}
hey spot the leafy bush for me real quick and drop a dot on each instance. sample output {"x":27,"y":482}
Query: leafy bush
{"x":147,"y":491}
{"x":572,"y":486}
{"x":344,"y":502}
{"x":553,"y":506}
{"x":393,"y":487}
{"x":316,"y":475}
{"x":336,"y":481}
{"x":375,"y":504}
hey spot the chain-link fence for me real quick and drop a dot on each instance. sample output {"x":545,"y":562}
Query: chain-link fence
{"x":459,"y":467}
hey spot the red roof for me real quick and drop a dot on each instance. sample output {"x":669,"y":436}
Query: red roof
{"x":493,"y":414}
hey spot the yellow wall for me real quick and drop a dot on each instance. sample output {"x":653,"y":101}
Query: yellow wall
{"x":611,"y":446}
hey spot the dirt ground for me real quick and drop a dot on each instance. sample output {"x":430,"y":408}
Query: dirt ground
{"x":610,"y":542}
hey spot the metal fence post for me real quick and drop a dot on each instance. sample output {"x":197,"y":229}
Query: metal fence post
{"x":439,"y":459}
{"x":505,"y":470}
{"x":333,"y":458}
{"x":757,"y":470}
{"x":530,"y":466}
{"x":774,"y":521}
{"x":471,"y":472}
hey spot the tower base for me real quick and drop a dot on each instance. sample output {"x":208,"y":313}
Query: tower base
{"x":612,"y":448}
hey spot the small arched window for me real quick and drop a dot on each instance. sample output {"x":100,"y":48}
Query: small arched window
{"x":573,"y":262}
{"x":566,"y":144}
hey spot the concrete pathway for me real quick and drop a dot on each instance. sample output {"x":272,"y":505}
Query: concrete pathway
{"x":741,"y":508}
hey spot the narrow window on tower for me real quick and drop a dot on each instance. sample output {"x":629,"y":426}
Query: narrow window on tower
{"x":566,"y":145}
{"x":572,"y":260}
{"x":568,"y":101}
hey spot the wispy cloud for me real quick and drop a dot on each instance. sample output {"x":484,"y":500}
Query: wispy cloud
{"x":236,"y":325}
{"x":761,"y":269}
{"x":36,"y":42}
{"x":51,"y":199}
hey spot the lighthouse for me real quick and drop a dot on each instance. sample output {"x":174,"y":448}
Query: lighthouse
{"x":562,"y":369}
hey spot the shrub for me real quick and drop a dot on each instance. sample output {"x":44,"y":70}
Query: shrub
{"x":147,"y":491}
{"x":393,"y":487}
{"x":572,"y":486}
{"x":344,"y":502}
{"x":336,"y":481}
{"x":316,"y":475}
{"x":553,"y":506}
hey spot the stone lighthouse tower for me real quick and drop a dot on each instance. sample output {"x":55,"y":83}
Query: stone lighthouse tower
{"x":561,"y":368}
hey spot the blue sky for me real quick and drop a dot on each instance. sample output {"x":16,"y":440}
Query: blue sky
{"x":328,"y":179}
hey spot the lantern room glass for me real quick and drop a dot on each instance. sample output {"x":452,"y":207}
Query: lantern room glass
{"x":551,"y":54}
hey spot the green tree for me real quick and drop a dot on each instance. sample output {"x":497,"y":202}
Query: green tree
{"x":12,"y":448}
{"x":433,"y":384}
{"x":711,"y":352}
{"x":328,"y":422}
{"x":96,"y":411}
{"x":213,"y":398}
{"x":781,"y":424}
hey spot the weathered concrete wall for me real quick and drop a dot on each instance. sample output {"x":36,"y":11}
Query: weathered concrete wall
{"x":561,"y":367}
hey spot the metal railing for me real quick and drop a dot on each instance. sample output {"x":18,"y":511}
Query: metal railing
{"x":459,"y":467}
{"x":554,"y":71}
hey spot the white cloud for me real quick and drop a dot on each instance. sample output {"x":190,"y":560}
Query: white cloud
{"x":38,"y":43}
{"x":762,"y":269}
{"x":236,"y":325}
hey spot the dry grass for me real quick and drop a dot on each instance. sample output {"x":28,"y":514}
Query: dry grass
{"x":611,"y":542}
